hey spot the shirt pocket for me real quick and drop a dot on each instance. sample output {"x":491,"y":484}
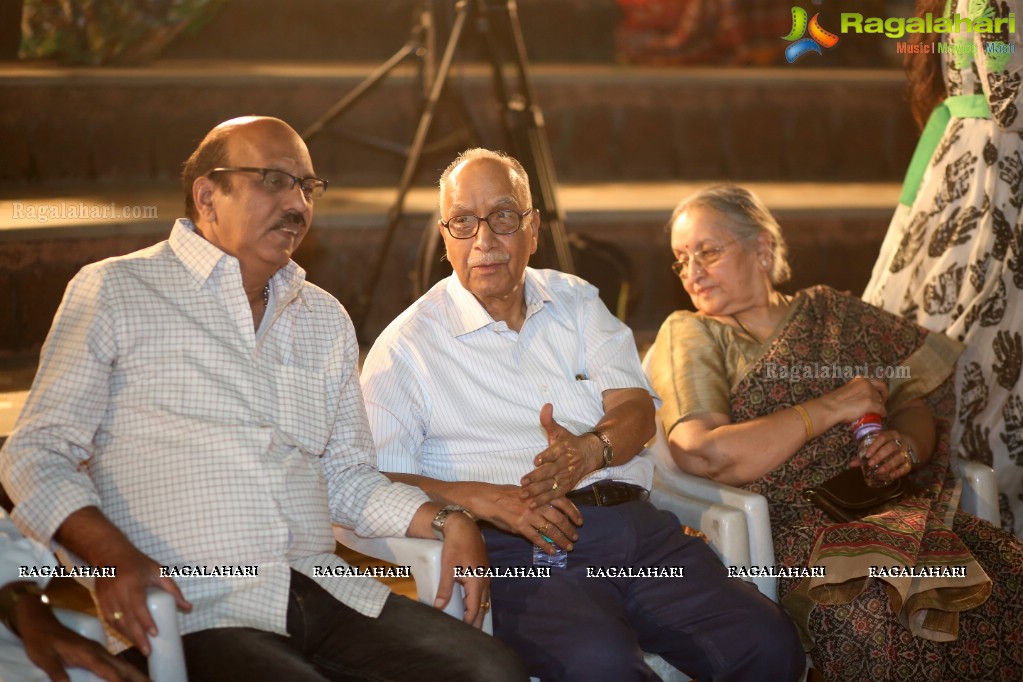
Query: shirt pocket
{"x":301,"y":408}
{"x":578,"y":404}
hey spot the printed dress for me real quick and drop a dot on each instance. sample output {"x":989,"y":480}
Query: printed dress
{"x":953,"y":260}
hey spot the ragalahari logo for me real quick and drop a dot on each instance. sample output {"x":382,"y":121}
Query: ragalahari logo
{"x":818,"y":36}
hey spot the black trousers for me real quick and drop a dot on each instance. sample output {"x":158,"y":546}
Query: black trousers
{"x":330,"y":641}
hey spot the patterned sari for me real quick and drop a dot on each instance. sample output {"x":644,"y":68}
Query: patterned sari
{"x":858,"y":627}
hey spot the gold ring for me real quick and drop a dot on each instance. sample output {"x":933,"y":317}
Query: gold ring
{"x":117,"y":615}
{"x":485,"y":605}
{"x":543,"y":530}
{"x":555,"y":484}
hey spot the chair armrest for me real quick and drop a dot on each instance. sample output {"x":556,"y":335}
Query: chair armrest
{"x":422,"y":556}
{"x":755,"y":533}
{"x":724,"y":526}
{"x":980,"y":491}
{"x":167,"y":656}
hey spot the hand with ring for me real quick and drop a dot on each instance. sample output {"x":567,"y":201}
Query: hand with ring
{"x":888,"y":455}
{"x":505,"y":507}
{"x":561,"y":466}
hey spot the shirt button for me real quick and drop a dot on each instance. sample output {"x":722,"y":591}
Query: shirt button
{"x":543,"y":388}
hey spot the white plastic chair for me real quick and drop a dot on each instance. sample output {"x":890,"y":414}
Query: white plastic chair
{"x":166,"y":661}
{"x":751,"y":544}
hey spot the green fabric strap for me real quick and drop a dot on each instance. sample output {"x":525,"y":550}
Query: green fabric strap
{"x":960,"y":106}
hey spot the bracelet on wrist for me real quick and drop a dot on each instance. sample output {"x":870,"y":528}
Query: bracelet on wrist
{"x":807,"y":422}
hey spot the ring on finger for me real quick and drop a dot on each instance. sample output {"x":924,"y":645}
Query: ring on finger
{"x":555,"y":486}
{"x":543,"y":529}
{"x":485,"y":605}
{"x":117,"y":615}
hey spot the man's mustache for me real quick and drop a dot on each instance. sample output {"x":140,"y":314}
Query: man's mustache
{"x":290,"y":220}
{"x":495,"y":259}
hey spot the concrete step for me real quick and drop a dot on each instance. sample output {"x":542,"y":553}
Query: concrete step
{"x":117,"y":125}
{"x":834,"y":231}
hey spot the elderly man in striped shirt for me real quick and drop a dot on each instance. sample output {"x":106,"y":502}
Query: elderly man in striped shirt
{"x":515,"y":394}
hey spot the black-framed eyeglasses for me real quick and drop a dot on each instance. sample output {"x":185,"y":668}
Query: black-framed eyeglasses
{"x":504,"y":221}
{"x":704,"y":258}
{"x":275,"y":180}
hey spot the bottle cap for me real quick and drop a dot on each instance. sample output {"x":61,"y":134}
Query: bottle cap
{"x":868,"y":418}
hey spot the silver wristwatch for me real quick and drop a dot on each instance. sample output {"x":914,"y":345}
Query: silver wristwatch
{"x":913,"y":459}
{"x":442,"y":516}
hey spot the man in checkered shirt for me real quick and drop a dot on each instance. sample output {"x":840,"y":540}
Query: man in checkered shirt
{"x":197,"y":414}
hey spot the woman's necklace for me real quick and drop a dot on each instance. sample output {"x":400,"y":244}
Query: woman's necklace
{"x":745,"y":329}
{"x":785,"y":301}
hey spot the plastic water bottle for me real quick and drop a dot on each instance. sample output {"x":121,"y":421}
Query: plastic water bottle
{"x":865,"y":430}
{"x":541,"y":558}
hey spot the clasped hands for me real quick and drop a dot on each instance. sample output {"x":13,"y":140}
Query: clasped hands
{"x":537,"y":509}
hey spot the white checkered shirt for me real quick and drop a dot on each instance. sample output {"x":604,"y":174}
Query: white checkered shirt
{"x":456,"y":396}
{"x":205,"y":442}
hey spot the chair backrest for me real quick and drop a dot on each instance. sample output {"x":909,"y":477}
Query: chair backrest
{"x":737,"y":545}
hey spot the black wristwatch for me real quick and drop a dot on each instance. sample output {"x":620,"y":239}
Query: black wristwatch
{"x":609,"y":451}
{"x":442,"y":517}
{"x":9,"y":596}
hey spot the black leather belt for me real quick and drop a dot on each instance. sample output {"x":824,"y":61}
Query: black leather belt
{"x":607,"y":494}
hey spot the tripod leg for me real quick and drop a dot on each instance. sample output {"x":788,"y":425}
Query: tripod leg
{"x":524,"y":125}
{"x":361,"y":89}
{"x":415,"y":153}
{"x":419,"y":44}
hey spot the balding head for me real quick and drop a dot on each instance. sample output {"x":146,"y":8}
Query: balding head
{"x":215,"y":152}
{"x":516,"y":173}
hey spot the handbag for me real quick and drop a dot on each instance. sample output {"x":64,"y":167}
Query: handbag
{"x":846,"y":497}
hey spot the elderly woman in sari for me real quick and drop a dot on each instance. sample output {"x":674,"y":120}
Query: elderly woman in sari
{"x":759,"y":391}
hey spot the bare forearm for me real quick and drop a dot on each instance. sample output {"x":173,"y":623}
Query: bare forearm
{"x":713,"y":447}
{"x":628,"y":423}
{"x":463,"y":493}
{"x":92,"y":536}
{"x":736,"y":454}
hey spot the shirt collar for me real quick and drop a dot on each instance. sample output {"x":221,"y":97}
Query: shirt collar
{"x":468,"y":315}
{"x":201,"y":258}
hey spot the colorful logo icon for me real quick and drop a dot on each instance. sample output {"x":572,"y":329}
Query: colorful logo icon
{"x":818,"y":36}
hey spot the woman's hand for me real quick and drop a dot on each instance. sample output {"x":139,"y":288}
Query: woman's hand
{"x":888,"y":456}
{"x":860,"y":396}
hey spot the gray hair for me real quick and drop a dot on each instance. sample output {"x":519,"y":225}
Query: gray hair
{"x":747,"y":218}
{"x":519,"y":179}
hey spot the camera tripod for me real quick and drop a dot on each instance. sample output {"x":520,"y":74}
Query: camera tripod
{"x":521,"y":120}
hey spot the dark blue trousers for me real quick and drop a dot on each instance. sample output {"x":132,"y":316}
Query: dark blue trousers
{"x":574,"y":627}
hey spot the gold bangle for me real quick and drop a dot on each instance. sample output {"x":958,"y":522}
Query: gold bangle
{"x":807,"y":422}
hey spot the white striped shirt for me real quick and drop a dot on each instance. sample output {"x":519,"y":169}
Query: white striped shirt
{"x":206,"y":443}
{"x":455,"y":396}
